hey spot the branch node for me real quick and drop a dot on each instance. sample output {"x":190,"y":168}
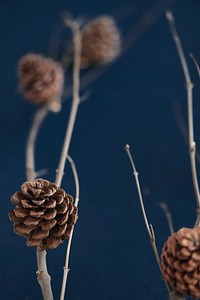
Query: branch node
{"x":193,"y":147}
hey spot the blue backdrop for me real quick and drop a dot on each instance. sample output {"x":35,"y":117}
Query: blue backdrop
{"x":137,"y":101}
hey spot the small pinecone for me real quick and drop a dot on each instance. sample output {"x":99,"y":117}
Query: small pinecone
{"x":44,"y":214}
{"x":181,"y":261}
{"x":41,"y":79}
{"x":100,"y":42}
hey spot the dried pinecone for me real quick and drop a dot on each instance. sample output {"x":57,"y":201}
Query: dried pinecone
{"x":181,"y":261}
{"x":100,"y":42}
{"x":41,"y":79}
{"x":44,"y":214}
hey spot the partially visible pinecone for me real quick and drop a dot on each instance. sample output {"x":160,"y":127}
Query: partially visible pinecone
{"x":181,"y":261}
{"x":44,"y":214}
{"x":100,"y":42}
{"x":41,"y":79}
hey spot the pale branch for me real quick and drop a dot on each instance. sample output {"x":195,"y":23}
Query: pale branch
{"x":76,"y":179}
{"x":41,"y":172}
{"x":43,"y":277}
{"x":30,"y":148}
{"x":66,"y":267}
{"x":197,"y":154}
{"x":189,"y":86}
{"x":148,"y":226}
{"x":146,"y":21}
{"x":182,"y":126}
{"x":75,"y":101}
{"x":195,"y":62}
{"x":168,"y":215}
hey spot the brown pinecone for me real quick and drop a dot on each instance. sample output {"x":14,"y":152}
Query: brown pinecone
{"x":181,"y":261}
{"x":100,"y":42}
{"x":41,"y":79}
{"x":44,"y":214}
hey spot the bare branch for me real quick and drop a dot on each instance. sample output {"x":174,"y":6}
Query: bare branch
{"x":189,"y":86}
{"x":182,"y":126}
{"x":76,"y":179}
{"x":168,"y":215}
{"x":66,"y":267}
{"x":196,"y":63}
{"x":43,"y":277}
{"x":148,"y":226}
{"x":30,"y":148}
{"x":75,"y":101}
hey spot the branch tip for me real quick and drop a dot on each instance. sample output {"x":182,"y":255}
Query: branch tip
{"x":195,"y":63}
{"x":169,"y":15}
{"x":127,"y":147}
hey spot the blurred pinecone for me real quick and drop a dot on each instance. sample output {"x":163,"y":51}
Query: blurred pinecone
{"x":41,"y":79}
{"x":44,"y":214}
{"x":181,"y":261}
{"x":100,"y":42}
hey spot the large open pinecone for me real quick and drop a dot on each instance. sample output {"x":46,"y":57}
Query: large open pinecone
{"x":181,"y":261}
{"x":44,"y":214}
{"x":100,"y":41}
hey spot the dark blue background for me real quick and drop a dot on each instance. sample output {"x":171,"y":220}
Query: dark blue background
{"x":131,"y":103}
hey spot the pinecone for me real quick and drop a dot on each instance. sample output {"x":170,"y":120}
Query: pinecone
{"x":181,"y":261}
{"x":44,"y":214}
{"x":100,"y":42}
{"x":41,"y":79}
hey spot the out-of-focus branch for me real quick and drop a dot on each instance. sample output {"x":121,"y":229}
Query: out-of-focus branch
{"x":30,"y":149}
{"x":168,"y":215}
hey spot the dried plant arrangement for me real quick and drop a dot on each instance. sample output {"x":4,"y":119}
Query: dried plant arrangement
{"x":44,"y":213}
{"x":179,"y":263}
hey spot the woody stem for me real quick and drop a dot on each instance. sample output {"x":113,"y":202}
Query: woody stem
{"x":43,"y":277}
{"x":189,"y":87}
{"x":30,"y":148}
{"x":75,"y":101}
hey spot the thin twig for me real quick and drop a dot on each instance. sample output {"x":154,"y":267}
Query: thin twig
{"x":197,"y":154}
{"x":189,"y":86}
{"x":76,"y":179}
{"x":168,"y":215}
{"x":182,"y":126}
{"x":195,"y":62}
{"x":66,"y":267}
{"x":148,"y":226}
{"x":75,"y":101}
{"x":43,"y":277}
{"x":146,"y":21}
{"x":30,"y":149}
